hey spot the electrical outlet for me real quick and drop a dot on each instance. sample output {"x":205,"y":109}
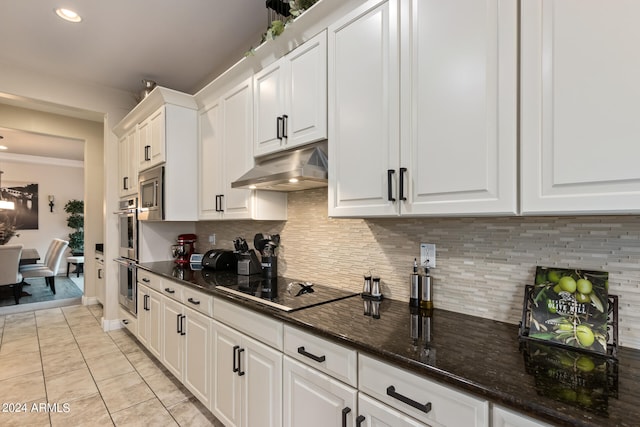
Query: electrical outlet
{"x":427,"y":255}
{"x":212,"y":239}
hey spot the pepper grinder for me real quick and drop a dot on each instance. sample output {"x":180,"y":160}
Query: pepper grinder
{"x":375,"y":287}
{"x":426,"y":295}
{"x":414,"y":286}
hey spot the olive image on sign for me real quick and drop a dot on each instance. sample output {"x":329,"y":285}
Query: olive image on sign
{"x":570,"y":307}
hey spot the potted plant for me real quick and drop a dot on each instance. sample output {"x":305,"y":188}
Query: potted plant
{"x":75,"y":220}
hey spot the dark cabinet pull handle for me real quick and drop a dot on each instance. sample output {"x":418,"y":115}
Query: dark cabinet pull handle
{"x":402,"y":172}
{"x":221,"y":196}
{"x":99,"y":273}
{"x":279,"y":121}
{"x":124,"y":183}
{"x":182,"y":318}
{"x":426,"y":408}
{"x":193,"y":301}
{"x":169,"y":291}
{"x":240,"y":371}
{"x":390,"y":173}
{"x":345,"y":411}
{"x":235,"y":360}
{"x":146,"y":280}
{"x":284,"y":126}
{"x":318,"y":359}
{"x":145,"y":302}
{"x":125,"y":321}
{"x":359,"y":420}
{"x":146,"y":153}
{"x":178,"y":318}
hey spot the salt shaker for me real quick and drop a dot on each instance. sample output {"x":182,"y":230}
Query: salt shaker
{"x":366,"y":287}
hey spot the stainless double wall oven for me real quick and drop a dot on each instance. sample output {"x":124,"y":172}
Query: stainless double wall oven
{"x":127,"y":252}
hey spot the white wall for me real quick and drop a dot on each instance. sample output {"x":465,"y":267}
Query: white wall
{"x":63,"y":182}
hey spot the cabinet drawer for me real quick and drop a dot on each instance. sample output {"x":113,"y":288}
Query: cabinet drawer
{"x":323,"y":355}
{"x":150,"y":280}
{"x":403,"y":390}
{"x":258,"y":326}
{"x":172,"y":290}
{"x":197,"y":300}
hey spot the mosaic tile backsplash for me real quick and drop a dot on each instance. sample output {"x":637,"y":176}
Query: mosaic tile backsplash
{"x":482,"y":263}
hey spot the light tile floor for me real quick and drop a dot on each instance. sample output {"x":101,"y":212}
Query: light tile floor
{"x":59,"y":368}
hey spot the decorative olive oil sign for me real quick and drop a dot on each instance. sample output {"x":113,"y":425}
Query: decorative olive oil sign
{"x":570,"y":308}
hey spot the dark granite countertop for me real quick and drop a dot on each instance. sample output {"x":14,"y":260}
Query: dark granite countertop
{"x":476,"y":355}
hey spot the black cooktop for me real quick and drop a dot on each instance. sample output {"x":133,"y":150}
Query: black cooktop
{"x":282,"y":293}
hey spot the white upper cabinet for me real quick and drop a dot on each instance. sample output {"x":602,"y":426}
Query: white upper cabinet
{"x":423,"y":109}
{"x":226,"y":152}
{"x":363,"y":110}
{"x":163,"y":129}
{"x":579,"y":107}
{"x":290,"y":99}
{"x":459,"y":108}
{"x":151,"y":140}
{"x":128,"y":164}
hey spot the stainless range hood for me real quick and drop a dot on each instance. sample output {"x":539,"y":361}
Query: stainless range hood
{"x":294,"y":170}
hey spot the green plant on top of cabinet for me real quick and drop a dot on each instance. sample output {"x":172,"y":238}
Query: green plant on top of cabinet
{"x":579,"y":107}
{"x":424,"y":95}
{"x":290,"y":99}
{"x":225,"y":151}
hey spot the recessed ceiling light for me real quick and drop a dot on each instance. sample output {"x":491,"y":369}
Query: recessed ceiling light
{"x":68,"y":15}
{"x":2,"y":147}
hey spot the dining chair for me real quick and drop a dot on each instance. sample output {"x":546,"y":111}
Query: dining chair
{"x":51,"y":270}
{"x":39,"y":265}
{"x":9,"y":265}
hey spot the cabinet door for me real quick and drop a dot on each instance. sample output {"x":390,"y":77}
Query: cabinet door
{"x":100,"y":286}
{"x":155,"y":337}
{"x":151,"y":133}
{"x":237,"y":152}
{"x":173,"y":330}
{"x":306,"y":107}
{"x":313,"y":399}
{"x":269,"y":106}
{"x":127,"y":164}
{"x":262,"y":387}
{"x":363,"y":87}
{"x":210,"y":147}
{"x":226,"y":402}
{"x":143,"y":315}
{"x":375,"y":414}
{"x":504,"y":418}
{"x":197,"y":355}
{"x":459,"y":107}
{"x":579,"y":107}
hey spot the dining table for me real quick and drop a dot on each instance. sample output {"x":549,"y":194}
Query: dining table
{"x":29,"y":256}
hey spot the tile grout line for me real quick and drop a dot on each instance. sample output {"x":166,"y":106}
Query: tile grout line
{"x":85,"y":359}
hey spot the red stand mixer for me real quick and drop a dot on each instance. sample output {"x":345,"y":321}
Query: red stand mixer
{"x":186,"y":245}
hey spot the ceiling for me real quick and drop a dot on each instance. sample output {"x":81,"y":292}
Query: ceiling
{"x":181,"y":45}
{"x":34,"y":144}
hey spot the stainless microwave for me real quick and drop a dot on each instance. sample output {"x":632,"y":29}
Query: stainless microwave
{"x":151,"y":194}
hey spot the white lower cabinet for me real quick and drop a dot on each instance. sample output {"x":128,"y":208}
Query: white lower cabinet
{"x":173,"y":342}
{"x":372,"y":413}
{"x":313,"y":399}
{"x":423,"y":399}
{"x":502,"y":417}
{"x":247,"y":374}
{"x":149,"y":327}
{"x":197,"y":355}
